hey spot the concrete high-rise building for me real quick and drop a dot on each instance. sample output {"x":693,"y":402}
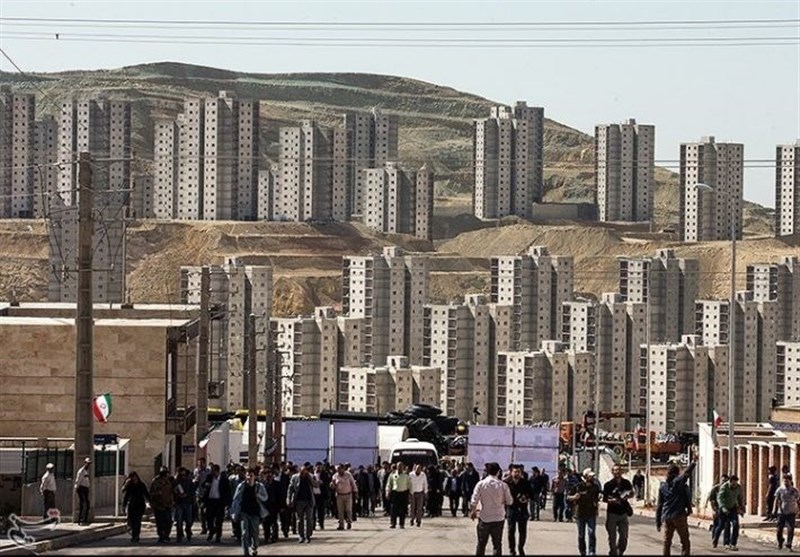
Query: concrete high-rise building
{"x":706,"y":215}
{"x":669,"y":284}
{"x":268,"y":193}
{"x":169,"y":189}
{"x":308,"y":348}
{"x":390,"y":388}
{"x":397,"y":202}
{"x":621,"y":331}
{"x":206,"y":160}
{"x":142,"y":197}
{"x":681,"y":387}
{"x":305,"y":170}
{"x":371,"y":143}
{"x":625,"y":159}
{"x":457,"y":341}
{"x":508,"y":161}
{"x":787,"y":189}
{"x":423,"y":212}
{"x":108,"y":254}
{"x":787,"y":374}
{"x":191,"y":159}
{"x":755,"y":344}
{"x":579,"y":325}
{"x":389,"y":292}
{"x":542,"y":385}
{"x":17,"y":152}
{"x":238,"y":290}
{"x":45,"y":177}
{"x":103,"y":128}
{"x":535,"y":284}
{"x":779,"y":282}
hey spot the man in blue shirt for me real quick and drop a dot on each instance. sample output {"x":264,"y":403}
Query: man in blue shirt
{"x":674,"y":506}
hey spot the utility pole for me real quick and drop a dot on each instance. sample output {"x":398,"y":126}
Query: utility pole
{"x":277,"y":407}
{"x":84,"y":365}
{"x":252,"y":400}
{"x":201,"y":402}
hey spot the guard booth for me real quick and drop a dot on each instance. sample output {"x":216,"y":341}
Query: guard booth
{"x":22,"y":465}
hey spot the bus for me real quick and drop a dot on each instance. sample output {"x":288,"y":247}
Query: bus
{"x":413,"y":451}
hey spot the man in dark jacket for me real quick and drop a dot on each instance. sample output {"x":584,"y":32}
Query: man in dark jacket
{"x":773,"y":483}
{"x":270,"y":523}
{"x":162,"y":499}
{"x":674,"y":506}
{"x":217,"y":496}
{"x":184,"y":505}
{"x":517,"y":512}
{"x":616,"y":493}
{"x":469,"y":479}
{"x":584,"y":498}
{"x":452,"y":489}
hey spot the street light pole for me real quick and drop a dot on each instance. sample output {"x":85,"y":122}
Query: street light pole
{"x":731,"y":326}
{"x":648,"y":440}
{"x":731,"y":340}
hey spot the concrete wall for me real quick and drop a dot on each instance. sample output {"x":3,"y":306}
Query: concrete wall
{"x":37,"y":372}
{"x":33,"y":505}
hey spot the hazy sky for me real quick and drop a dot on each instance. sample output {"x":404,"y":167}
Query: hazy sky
{"x":748,"y":94}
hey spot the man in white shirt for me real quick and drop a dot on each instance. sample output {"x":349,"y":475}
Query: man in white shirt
{"x":48,"y":489}
{"x":493,"y":496}
{"x":419,"y":490}
{"x":82,"y":489}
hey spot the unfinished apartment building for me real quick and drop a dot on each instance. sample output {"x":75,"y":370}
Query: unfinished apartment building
{"x":398,"y":202}
{"x":508,"y":161}
{"x":237,"y":291}
{"x":668,"y":285}
{"x":778,"y":282}
{"x":17,"y":153}
{"x":787,"y":189}
{"x":389,"y":291}
{"x":707,"y":215}
{"x":206,"y":160}
{"x":624,"y":163}
{"x":535,"y":284}
{"x":554,"y":383}
{"x":102,"y":127}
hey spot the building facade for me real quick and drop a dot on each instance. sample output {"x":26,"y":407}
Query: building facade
{"x":711,"y":215}
{"x":508,"y":161}
{"x":624,"y":159}
{"x":787,"y":189}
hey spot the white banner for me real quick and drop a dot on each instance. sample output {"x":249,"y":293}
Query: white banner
{"x":529,"y":446}
{"x":355,"y":442}
{"x":307,"y":441}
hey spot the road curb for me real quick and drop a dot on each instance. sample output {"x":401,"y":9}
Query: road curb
{"x":67,"y":540}
{"x":761,"y":533}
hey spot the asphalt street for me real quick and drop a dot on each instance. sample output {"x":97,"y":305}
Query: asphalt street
{"x":437,"y":536}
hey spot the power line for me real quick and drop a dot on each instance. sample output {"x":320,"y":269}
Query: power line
{"x":354,"y":44}
{"x":421,"y":24}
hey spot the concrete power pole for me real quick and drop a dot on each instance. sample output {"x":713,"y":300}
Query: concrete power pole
{"x":252,"y":400}
{"x":84,"y":365}
{"x":201,"y":402}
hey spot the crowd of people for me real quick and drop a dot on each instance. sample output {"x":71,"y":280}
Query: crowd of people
{"x":268,"y":502}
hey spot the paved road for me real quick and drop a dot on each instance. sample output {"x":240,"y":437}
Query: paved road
{"x":442,"y":536}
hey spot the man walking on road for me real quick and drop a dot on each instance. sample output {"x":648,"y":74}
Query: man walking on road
{"x":559,"y":490}
{"x":419,"y":491}
{"x":469,"y":479}
{"x":398,"y":489}
{"x":585,"y":500}
{"x":48,"y":489}
{"x":248,"y":509}
{"x":730,"y":499}
{"x":674,"y":505}
{"x":517,"y":513}
{"x":493,"y":496}
{"x":343,"y":485}
{"x":785,"y":509}
{"x":301,"y":500}
{"x":616,"y":493}
{"x":82,"y":490}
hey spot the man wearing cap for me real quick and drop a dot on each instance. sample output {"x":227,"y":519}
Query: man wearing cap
{"x":82,"y":489}
{"x":585,"y":497}
{"x":48,"y":489}
{"x":493,"y":496}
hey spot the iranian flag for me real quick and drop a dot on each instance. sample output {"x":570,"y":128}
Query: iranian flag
{"x":101,"y":407}
{"x":716,"y":421}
